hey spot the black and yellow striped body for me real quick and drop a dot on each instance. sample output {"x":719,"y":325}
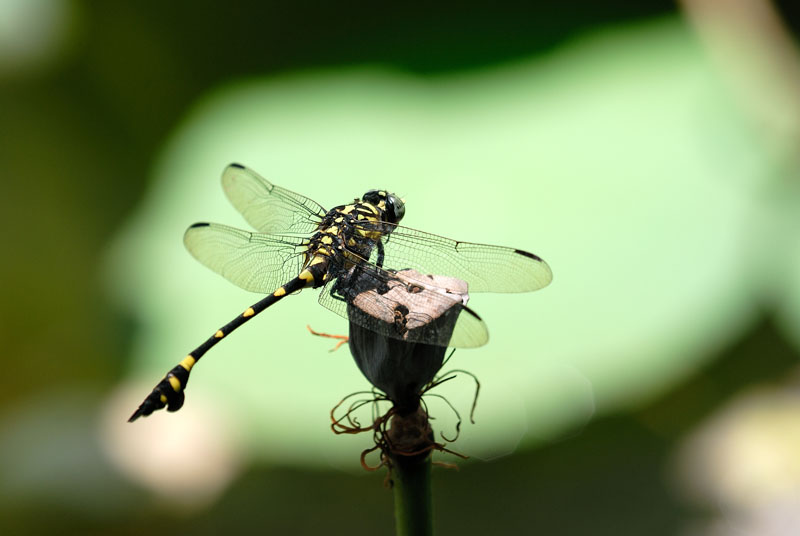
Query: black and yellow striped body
{"x":346,"y":234}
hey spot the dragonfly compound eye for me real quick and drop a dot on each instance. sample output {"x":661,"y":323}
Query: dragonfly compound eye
{"x":395,"y":208}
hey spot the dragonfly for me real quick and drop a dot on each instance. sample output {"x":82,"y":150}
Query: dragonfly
{"x":347,"y":250}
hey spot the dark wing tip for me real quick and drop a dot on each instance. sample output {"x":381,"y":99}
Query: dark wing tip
{"x":544,"y":274}
{"x":472,"y":312}
{"x":529,"y":255}
{"x":236,"y":165}
{"x":199,"y":224}
{"x":136,"y":414}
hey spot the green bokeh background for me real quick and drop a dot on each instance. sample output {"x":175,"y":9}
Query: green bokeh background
{"x":601,"y":136}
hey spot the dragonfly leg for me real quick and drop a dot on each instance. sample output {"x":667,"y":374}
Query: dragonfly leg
{"x":343,"y":339}
{"x":381,"y":254}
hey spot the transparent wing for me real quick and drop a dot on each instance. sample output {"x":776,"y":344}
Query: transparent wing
{"x":254,"y":261}
{"x":484,"y":267}
{"x":261,"y":263}
{"x":470,"y":330}
{"x":365,"y":287}
{"x":269,"y":208}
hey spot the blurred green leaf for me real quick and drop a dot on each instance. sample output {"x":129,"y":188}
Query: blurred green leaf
{"x":619,"y":159}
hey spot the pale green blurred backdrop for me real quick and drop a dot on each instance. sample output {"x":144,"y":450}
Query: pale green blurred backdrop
{"x":647,"y":152}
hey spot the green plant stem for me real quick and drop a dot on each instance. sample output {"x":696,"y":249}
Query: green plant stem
{"x":413,"y":502}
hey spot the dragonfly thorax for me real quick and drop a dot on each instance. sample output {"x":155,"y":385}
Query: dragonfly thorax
{"x":348,"y":234}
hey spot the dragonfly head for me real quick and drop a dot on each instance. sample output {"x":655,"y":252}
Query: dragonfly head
{"x":392,"y":205}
